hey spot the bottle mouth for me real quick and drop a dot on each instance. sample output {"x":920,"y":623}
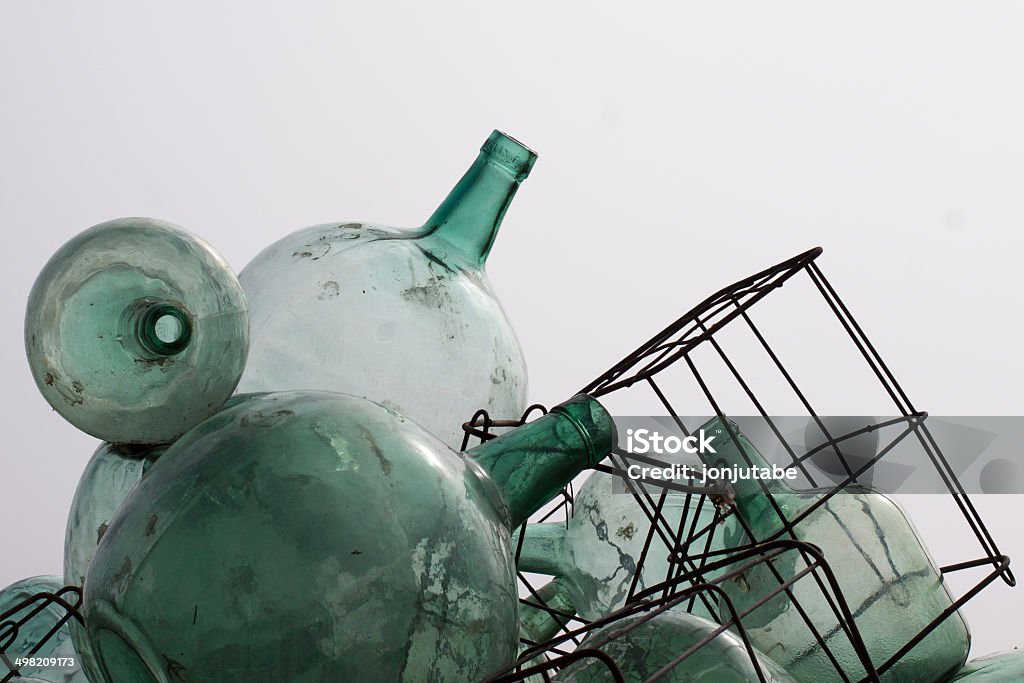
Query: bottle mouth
{"x":510,"y":154}
{"x":161,"y":328}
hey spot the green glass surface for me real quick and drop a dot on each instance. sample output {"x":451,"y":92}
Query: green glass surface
{"x":538,"y":625}
{"x":404,"y":317}
{"x":888,"y":578}
{"x":655,"y":644}
{"x":110,"y":475}
{"x":311,"y":536}
{"x":1001,"y":667}
{"x":597,"y":553}
{"x":136,"y":331}
{"x":35,"y":629}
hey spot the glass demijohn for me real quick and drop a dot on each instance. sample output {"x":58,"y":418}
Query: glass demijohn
{"x":136,"y":331}
{"x":403,"y":317}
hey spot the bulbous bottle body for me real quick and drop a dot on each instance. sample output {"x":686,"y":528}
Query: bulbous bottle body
{"x":1000,"y":667}
{"x":19,"y":644}
{"x":886,"y":574}
{"x":406,"y":318}
{"x":655,"y":644}
{"x":136,"y":331}
{"x":311,"y":536}
{"x":312,"y":524}
{"x":110,"y":475}
{"x":598,"y":554}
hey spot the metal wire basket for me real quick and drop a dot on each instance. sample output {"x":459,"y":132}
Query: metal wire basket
{"x":679,"y":352}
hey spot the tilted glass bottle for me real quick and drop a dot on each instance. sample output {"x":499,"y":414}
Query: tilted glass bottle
{"x":110,"y":475}
{"x":538,"y":625}
{"x":1001,"y":667}
{"x":598,"y":552}
{"x":136,"y":331}
{"x":656,"y":643}
{"x":318,"y":536}
{"x":886,"y":575}
{"x":15,"y":644}
{"x":403,"y":317}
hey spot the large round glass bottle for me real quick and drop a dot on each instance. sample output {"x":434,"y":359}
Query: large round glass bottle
{"x":1001,"y":667}
{"x":652,"y":647}
{"x":598,"y":553}
{"x":110,"y":475}
{"x":136,"y":331}
{"x":317,"y":536}
{"x":407,"y":318}
{"x":887,"y":576}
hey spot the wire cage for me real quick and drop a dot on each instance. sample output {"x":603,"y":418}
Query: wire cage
{"x":671,"y":371}
{"x":34,"y":623}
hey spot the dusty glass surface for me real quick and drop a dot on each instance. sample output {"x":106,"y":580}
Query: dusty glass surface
{"x":35,"y":629}
{"x":136,"y":330}
{"x":405,"y":317}
{"x":887,"y":577}
{"x":654,"y":645}
{"x":311,"y":536}
{"x":598,"y":552}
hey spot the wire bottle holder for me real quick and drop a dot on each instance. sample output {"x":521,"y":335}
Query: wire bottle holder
{"x":654,"y":368}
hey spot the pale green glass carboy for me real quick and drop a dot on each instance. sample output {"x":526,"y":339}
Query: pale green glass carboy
{"x":597,"y":554}
{"x":110,"y":475}
{"x":40,"y":621}
{"x":312,"y":536}
{"x":406,"y":318}
{"x":1001,"y":667}
{"x":889,"y":580}
{"x":136,"y":331}
{"x":653,"y":646}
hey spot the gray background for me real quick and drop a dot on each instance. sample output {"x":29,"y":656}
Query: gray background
{"x":682,"y":145}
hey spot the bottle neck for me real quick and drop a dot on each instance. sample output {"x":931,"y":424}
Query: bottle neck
{"x":467,"y":221}
{"x":532,"y":463}
{"x":540,"y":625}
{"x":543,"y":549}
{"x":733,"y":450}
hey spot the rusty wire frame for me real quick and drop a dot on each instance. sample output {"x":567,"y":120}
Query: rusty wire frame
{"x":689,"y":547}
{"x":17,"y":617}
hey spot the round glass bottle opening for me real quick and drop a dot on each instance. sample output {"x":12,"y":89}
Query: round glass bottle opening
{"x":164,"y":329}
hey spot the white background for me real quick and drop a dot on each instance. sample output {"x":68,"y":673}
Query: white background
{"x":682,"y":146}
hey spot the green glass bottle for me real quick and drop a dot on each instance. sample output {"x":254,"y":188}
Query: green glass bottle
{"x":538,"y":625}
{"x":312,"y":536}
{"x":655,"y":644}
{"x":597,"y":553}
{"x":1001,"y":667}
{"x":406,"y":318}
{"x":110,"y":475}
{"x":136,"y":331}
{"x":19,"y":643}
{"x":887,"y":577}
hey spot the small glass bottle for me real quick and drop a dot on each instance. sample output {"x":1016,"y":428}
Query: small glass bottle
{"x":654,"y":645}
{"x":136,"y":331}
{"x":598,"y":552}
{"x":320,"y":536}
{"x":886,"y":575}
{"x":404,"y":317}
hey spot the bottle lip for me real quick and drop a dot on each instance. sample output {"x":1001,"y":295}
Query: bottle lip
{"x":508,"y":153}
